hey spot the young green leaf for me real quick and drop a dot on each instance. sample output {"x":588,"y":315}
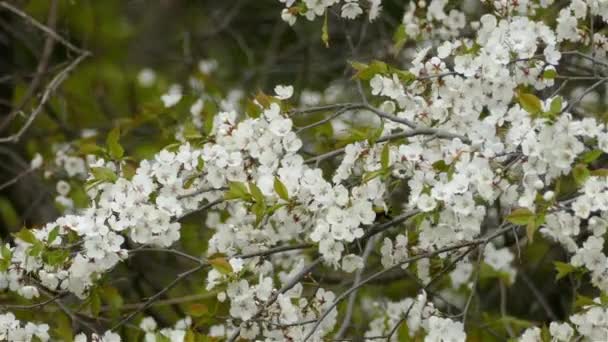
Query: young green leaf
{"x":563,"y":269}
{"x":530,"y":103}
{"x":26,"y":235}
{"x":53,"y":235}
{"x":590,"y":156}
{"x":385,"y":156}
{"x":549,"y":74}
{"x":221,"y":265}
{"x":580,"y":173}
{"x":104,"y":174}
{"x":325,"y":32}
{"x":399,"y":38}
{"x":112,"y":141}
{"x":237,"y":190}
{"x":520,"y":216}
{"x":556,"y":106}
{"x":258,"y":196}
{"x":281,"y":189}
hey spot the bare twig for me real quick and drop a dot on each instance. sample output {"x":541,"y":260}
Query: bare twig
{"x":585,"y":93}
{"x":43,"y":28}
{"x":407,"y":261}
{"x":353,"y":296}
{"x":16,"y":178}
{"x":157,"y":295}
{"x":41,"y":69}
{"x":503,"y":308}
{"x":539,"y":296}
{"x":35,"y":305}
{"x":203,"y":263}
{"x":50,"y":89}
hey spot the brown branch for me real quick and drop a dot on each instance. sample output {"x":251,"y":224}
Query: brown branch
{"x":50,"y":89}
{"x":41,"y":69}
{"x":43,"y":28}
{"x":405,"y":262}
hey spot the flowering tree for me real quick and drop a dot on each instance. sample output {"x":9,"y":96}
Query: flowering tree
{"x":460,"y":172}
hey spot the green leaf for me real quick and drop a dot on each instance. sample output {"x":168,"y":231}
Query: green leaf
{"x":237,"y":190}
{"x":95,"y":302}
{"x":580,"y":173}
{"x":375,"y":134}
{"x":258,"y":196}
{"x":488,"y":272}
{"x":399,"y":38}
{"x":55,"y":257}
{"x":198,"y":310}
{"x":582,"y":301}
{"x":112,"y":296}
{"x":533,"y":226}
{"x":52,"y":235}
{"x":259,"y":209}
{"x":520,"y":216}
{"x":599,"y":172}
{"x":385,"y":156}
{"x":271,"y":210}
{"x":404,"y":75}
{"x":191,"y":132}
{"x":281,"y":189}
{"x":104,"y":174}
{"x":530,"y":103}
{"x":92,"y":183}
{"x":549,"y":74}
{"x":112,"y":141}
{"x":545,"y":334}
{"x":36,"y":250}
{"x":5,"y":252}
{"x":221,"y":265}
{"x":162,"y":338}
{"x":9,"y":215}
{"x":371,"y":175}
{"x":556,"y":106}
{"x":563,"y":269}
{"x":375,"y":67}
{"x":7,"y":255}
{"x":590,"y":156}
{"x":358,"y":65}
{"x":264,"y":100}
{"x":441,"y":166}
{"x":325,"y":32}
{"x":91,"y":148}
{"x":26,"y":235}
{"x":208,"y":124}
{"x":252,"y":109}
{"x":189,"y":181}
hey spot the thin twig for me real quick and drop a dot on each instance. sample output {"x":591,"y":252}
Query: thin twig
{"x":16,"y":178}
{"x":291,"y":283}
{"x":407,"y":261}
{"x":50,"y":89}
{"x":539,"y":296}
{"x":353,"y":296}
{"x":43,"y":28}
{"x":41,"y":69}
{"x":585,"y":93}
{"x":157,"y":295}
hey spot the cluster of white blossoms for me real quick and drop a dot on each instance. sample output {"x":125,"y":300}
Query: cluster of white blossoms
{"x":311,"y":9}
{"x":151,"y":330}
{"x":463,"y":136}
{"x":590,"y":324}
{"x":419,"y":315}
{"x":12,"y":329}
{"x":434,"y":23}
